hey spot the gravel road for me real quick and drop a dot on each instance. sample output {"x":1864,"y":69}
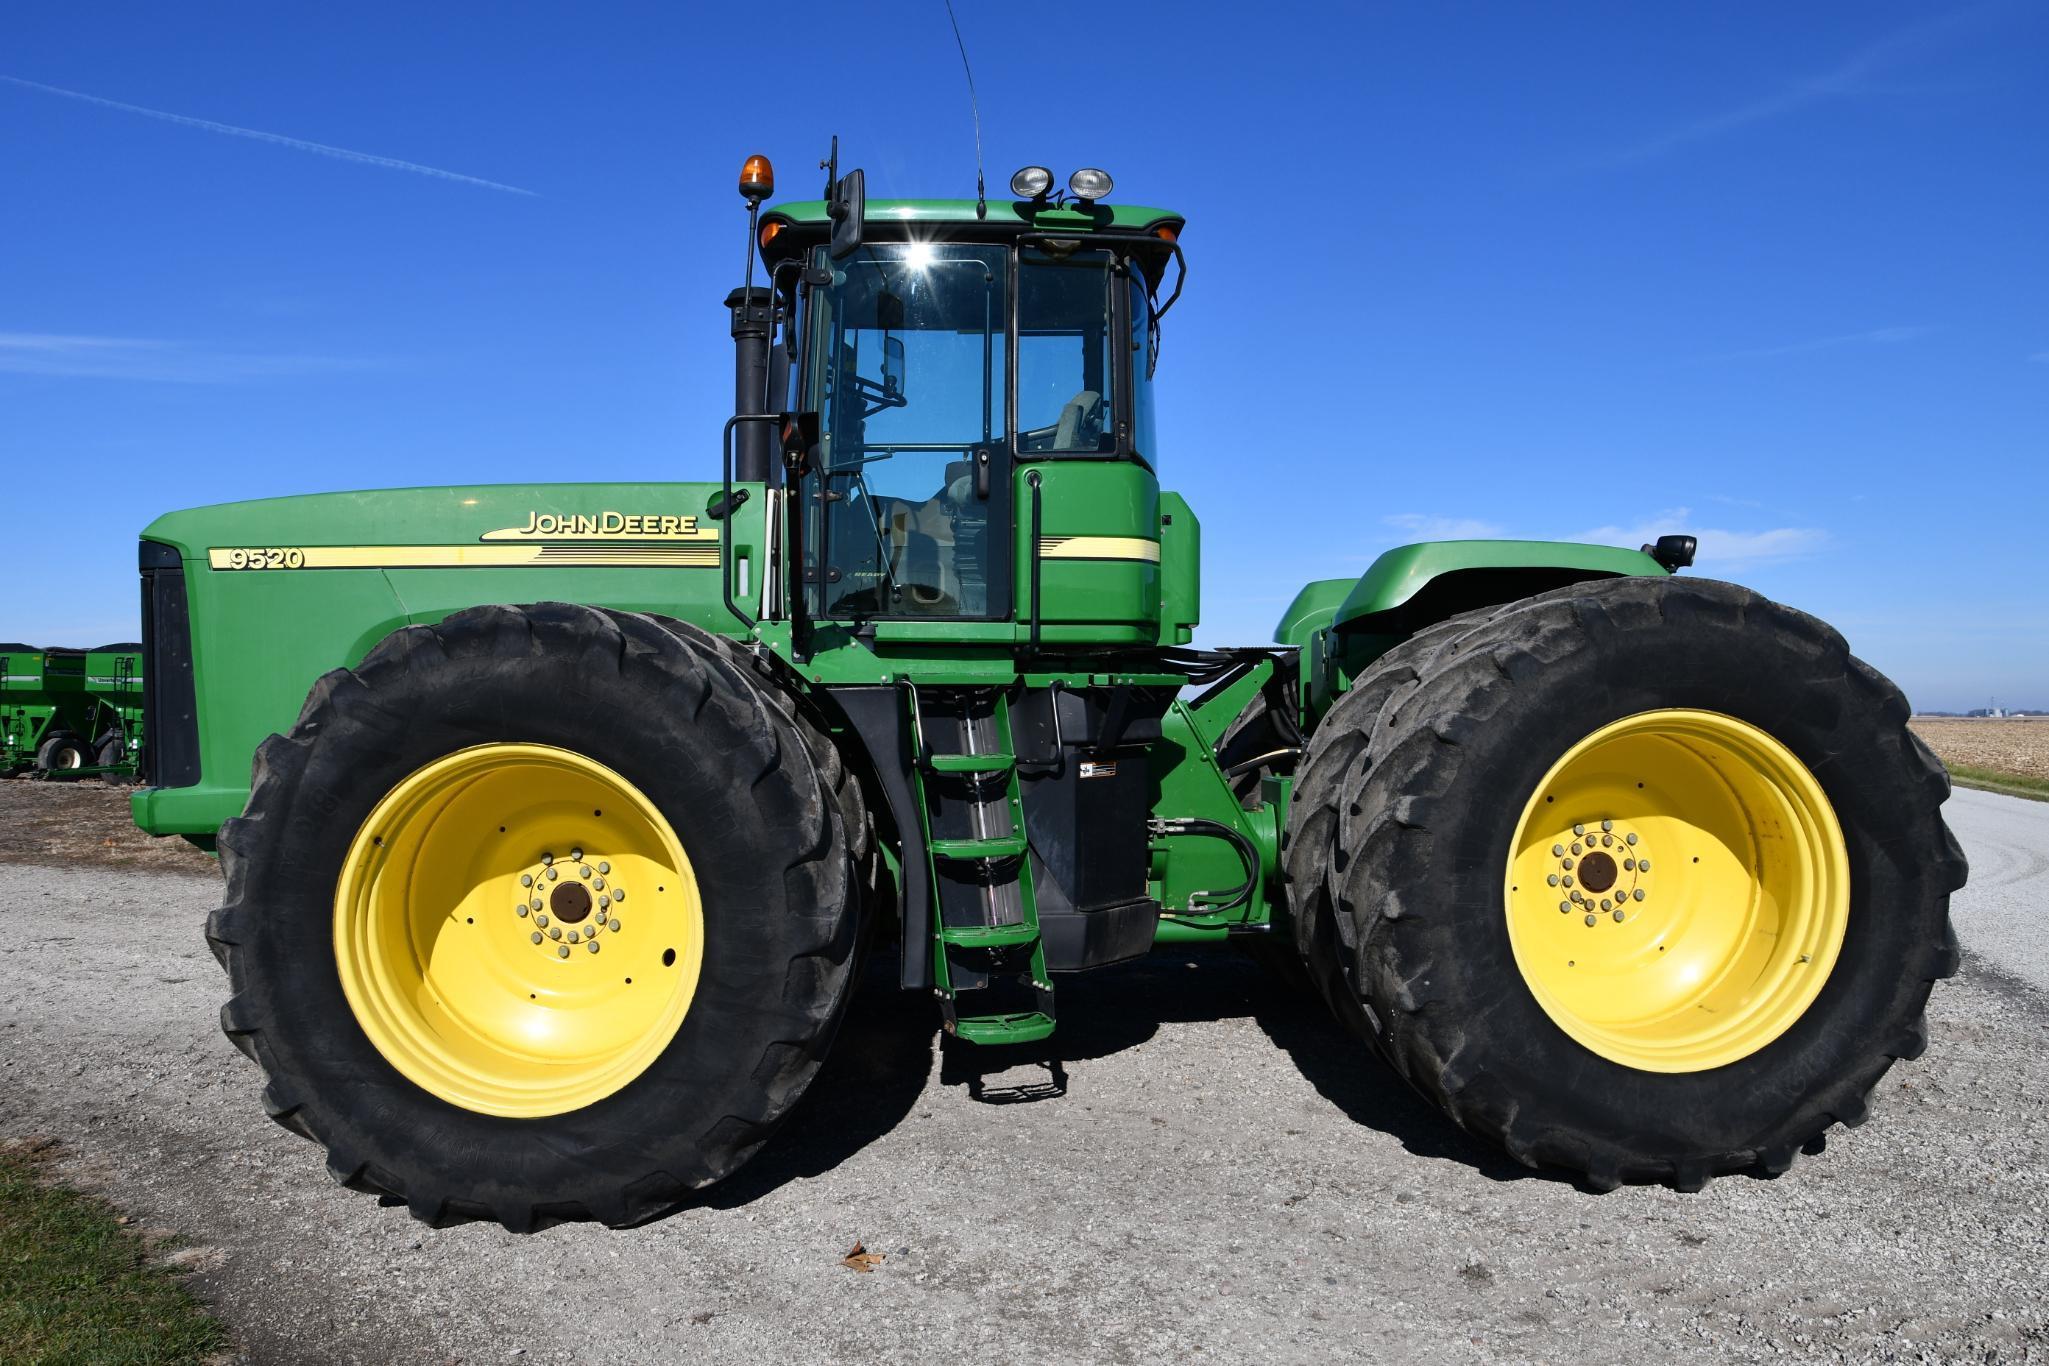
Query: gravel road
{"x":1225,"y":1178}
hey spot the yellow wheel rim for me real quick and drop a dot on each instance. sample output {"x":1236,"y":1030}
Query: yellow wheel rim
{"x":1677,"y":890}
{"x":518,"y":930}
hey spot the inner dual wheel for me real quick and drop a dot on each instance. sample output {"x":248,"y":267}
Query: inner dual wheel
{"x":1644,"y":879}
{"x":540,"y":913}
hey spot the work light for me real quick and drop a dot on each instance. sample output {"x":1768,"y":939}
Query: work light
{"x":1031,"y":183}
{"x":1089,"y":184}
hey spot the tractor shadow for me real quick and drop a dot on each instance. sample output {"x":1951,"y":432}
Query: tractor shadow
{"x":881,"y":1063}
{"x":871,"y":1080}
{"x":1108,"y":1011}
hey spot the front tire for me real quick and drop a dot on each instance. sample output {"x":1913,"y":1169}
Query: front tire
{"x":1756,"y":992}
{"x":412,"y":1008}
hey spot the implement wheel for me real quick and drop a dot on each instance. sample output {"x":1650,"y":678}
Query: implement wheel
{"x":63,"y":753}
{"x":1642,"y":878}
{"x":539,"y":914}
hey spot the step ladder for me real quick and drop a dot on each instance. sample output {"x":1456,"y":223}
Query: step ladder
{"x":988,"y":961}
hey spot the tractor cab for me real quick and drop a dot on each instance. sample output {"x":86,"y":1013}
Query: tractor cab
{"x":962,"y":362}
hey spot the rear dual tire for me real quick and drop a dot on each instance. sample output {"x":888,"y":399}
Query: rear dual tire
{"x":1422,"y":802}
{"x":327,"y":945}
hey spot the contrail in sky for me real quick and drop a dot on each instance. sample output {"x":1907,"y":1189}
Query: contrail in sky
{"x":319,"y":148}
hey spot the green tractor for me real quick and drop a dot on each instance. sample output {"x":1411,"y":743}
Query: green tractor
{"x":575,"y":806}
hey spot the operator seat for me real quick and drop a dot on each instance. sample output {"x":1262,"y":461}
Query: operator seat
{"x":1083,"y":414}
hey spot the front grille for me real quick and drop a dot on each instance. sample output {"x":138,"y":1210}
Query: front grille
{"x":170,"y":708}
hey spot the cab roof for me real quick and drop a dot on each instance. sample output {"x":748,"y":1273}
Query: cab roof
{"x":1018,"y":214}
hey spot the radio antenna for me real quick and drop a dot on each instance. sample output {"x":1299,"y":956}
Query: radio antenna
{"x":974,"y":107}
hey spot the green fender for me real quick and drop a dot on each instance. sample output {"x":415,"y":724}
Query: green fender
{"x":1342,"y":625}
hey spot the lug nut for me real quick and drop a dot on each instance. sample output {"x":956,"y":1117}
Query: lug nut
{"x":1629,"y":865}
{"x":1575,"y":847}
{"x":1607,"y":825}
{"x":520,"y":910}
{"x":1629,"y":838}
{"x":1557,"y":849}
{"x":1568,"y":879}
{"x":1618,"y":917}
{"x":1579,"y":829}
{"x":554,"y":932}
{"x":603,"y":902}
{"x":562,"y":950}
{"x":552,"y":874}
{"x":1643,"y":865}
{"x":604,"y":867}
{"x":1606,"y":904}
{"x":542,"y":921}
{"x":547,"y":859}
{"x":576,"y":854}
{"x":592,"y":946}
{"x":1552,"y":880}
{"x":1638,"y":894}
{"x":597,"y":884}
{"x":618,"y":894}
{"x":526,"y":879}
{"x":1567,"y":865}
{"x":1592,"y":918}
{"x":536,"y":936}
{"x":1565,"y":907}
{"x":575,"y":937}
{"x":615,"y":924}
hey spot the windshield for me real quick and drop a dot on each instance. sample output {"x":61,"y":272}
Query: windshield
{"x":909,"y":371}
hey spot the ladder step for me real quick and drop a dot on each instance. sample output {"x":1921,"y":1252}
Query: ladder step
{"x":969,"y":763}
{"x":1027,"y":1027}
{"x":1001,"y":846}
{"x":986,"y":936}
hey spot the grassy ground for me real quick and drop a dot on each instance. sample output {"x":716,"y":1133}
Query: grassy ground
{"x":2001,"y":755}
{"x":77,"y":1285}
{"x":1992,"y":780}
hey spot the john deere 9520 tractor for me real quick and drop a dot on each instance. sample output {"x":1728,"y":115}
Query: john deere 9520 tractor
{"x":573,"y":805}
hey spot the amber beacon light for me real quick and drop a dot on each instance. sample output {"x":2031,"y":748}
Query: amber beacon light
{"x":757,"y":179}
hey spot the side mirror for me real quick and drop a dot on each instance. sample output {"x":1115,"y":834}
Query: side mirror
{"x":848,"y":209}
{"x":893,"y":367}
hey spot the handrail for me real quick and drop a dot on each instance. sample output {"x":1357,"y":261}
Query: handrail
{"x":1032,"y":481}
{"x":726,"y":538}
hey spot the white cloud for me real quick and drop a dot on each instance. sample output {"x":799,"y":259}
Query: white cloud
{"x":275,"y":139}
{"x":1851,"y":78}
{"x":1430,"y":527}
{"x":1877,"y":336}
{"x":1718,"y":546}
{"x":140,"y":358}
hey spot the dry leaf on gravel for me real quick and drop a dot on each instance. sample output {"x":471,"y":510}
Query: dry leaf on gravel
{"x":859,"y":1258}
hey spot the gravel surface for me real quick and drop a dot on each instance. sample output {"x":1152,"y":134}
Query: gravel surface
{"x":1226,"y":1177}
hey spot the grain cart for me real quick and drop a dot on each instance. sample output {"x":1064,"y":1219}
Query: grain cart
{"x":571,"y":802}
{"x":113,"y":680}
{"x":45,"y":714}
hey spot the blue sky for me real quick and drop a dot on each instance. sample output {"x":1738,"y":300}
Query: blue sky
{"x":1772,"y":274}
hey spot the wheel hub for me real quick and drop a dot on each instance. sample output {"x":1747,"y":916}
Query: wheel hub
{"x":1601,"y":868}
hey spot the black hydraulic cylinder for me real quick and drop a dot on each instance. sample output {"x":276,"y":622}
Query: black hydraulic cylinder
{"x":753,"y":319}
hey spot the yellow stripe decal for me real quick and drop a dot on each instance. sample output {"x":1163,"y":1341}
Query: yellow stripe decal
{"x":1099,"y":548}
{"x":697,"y":555}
